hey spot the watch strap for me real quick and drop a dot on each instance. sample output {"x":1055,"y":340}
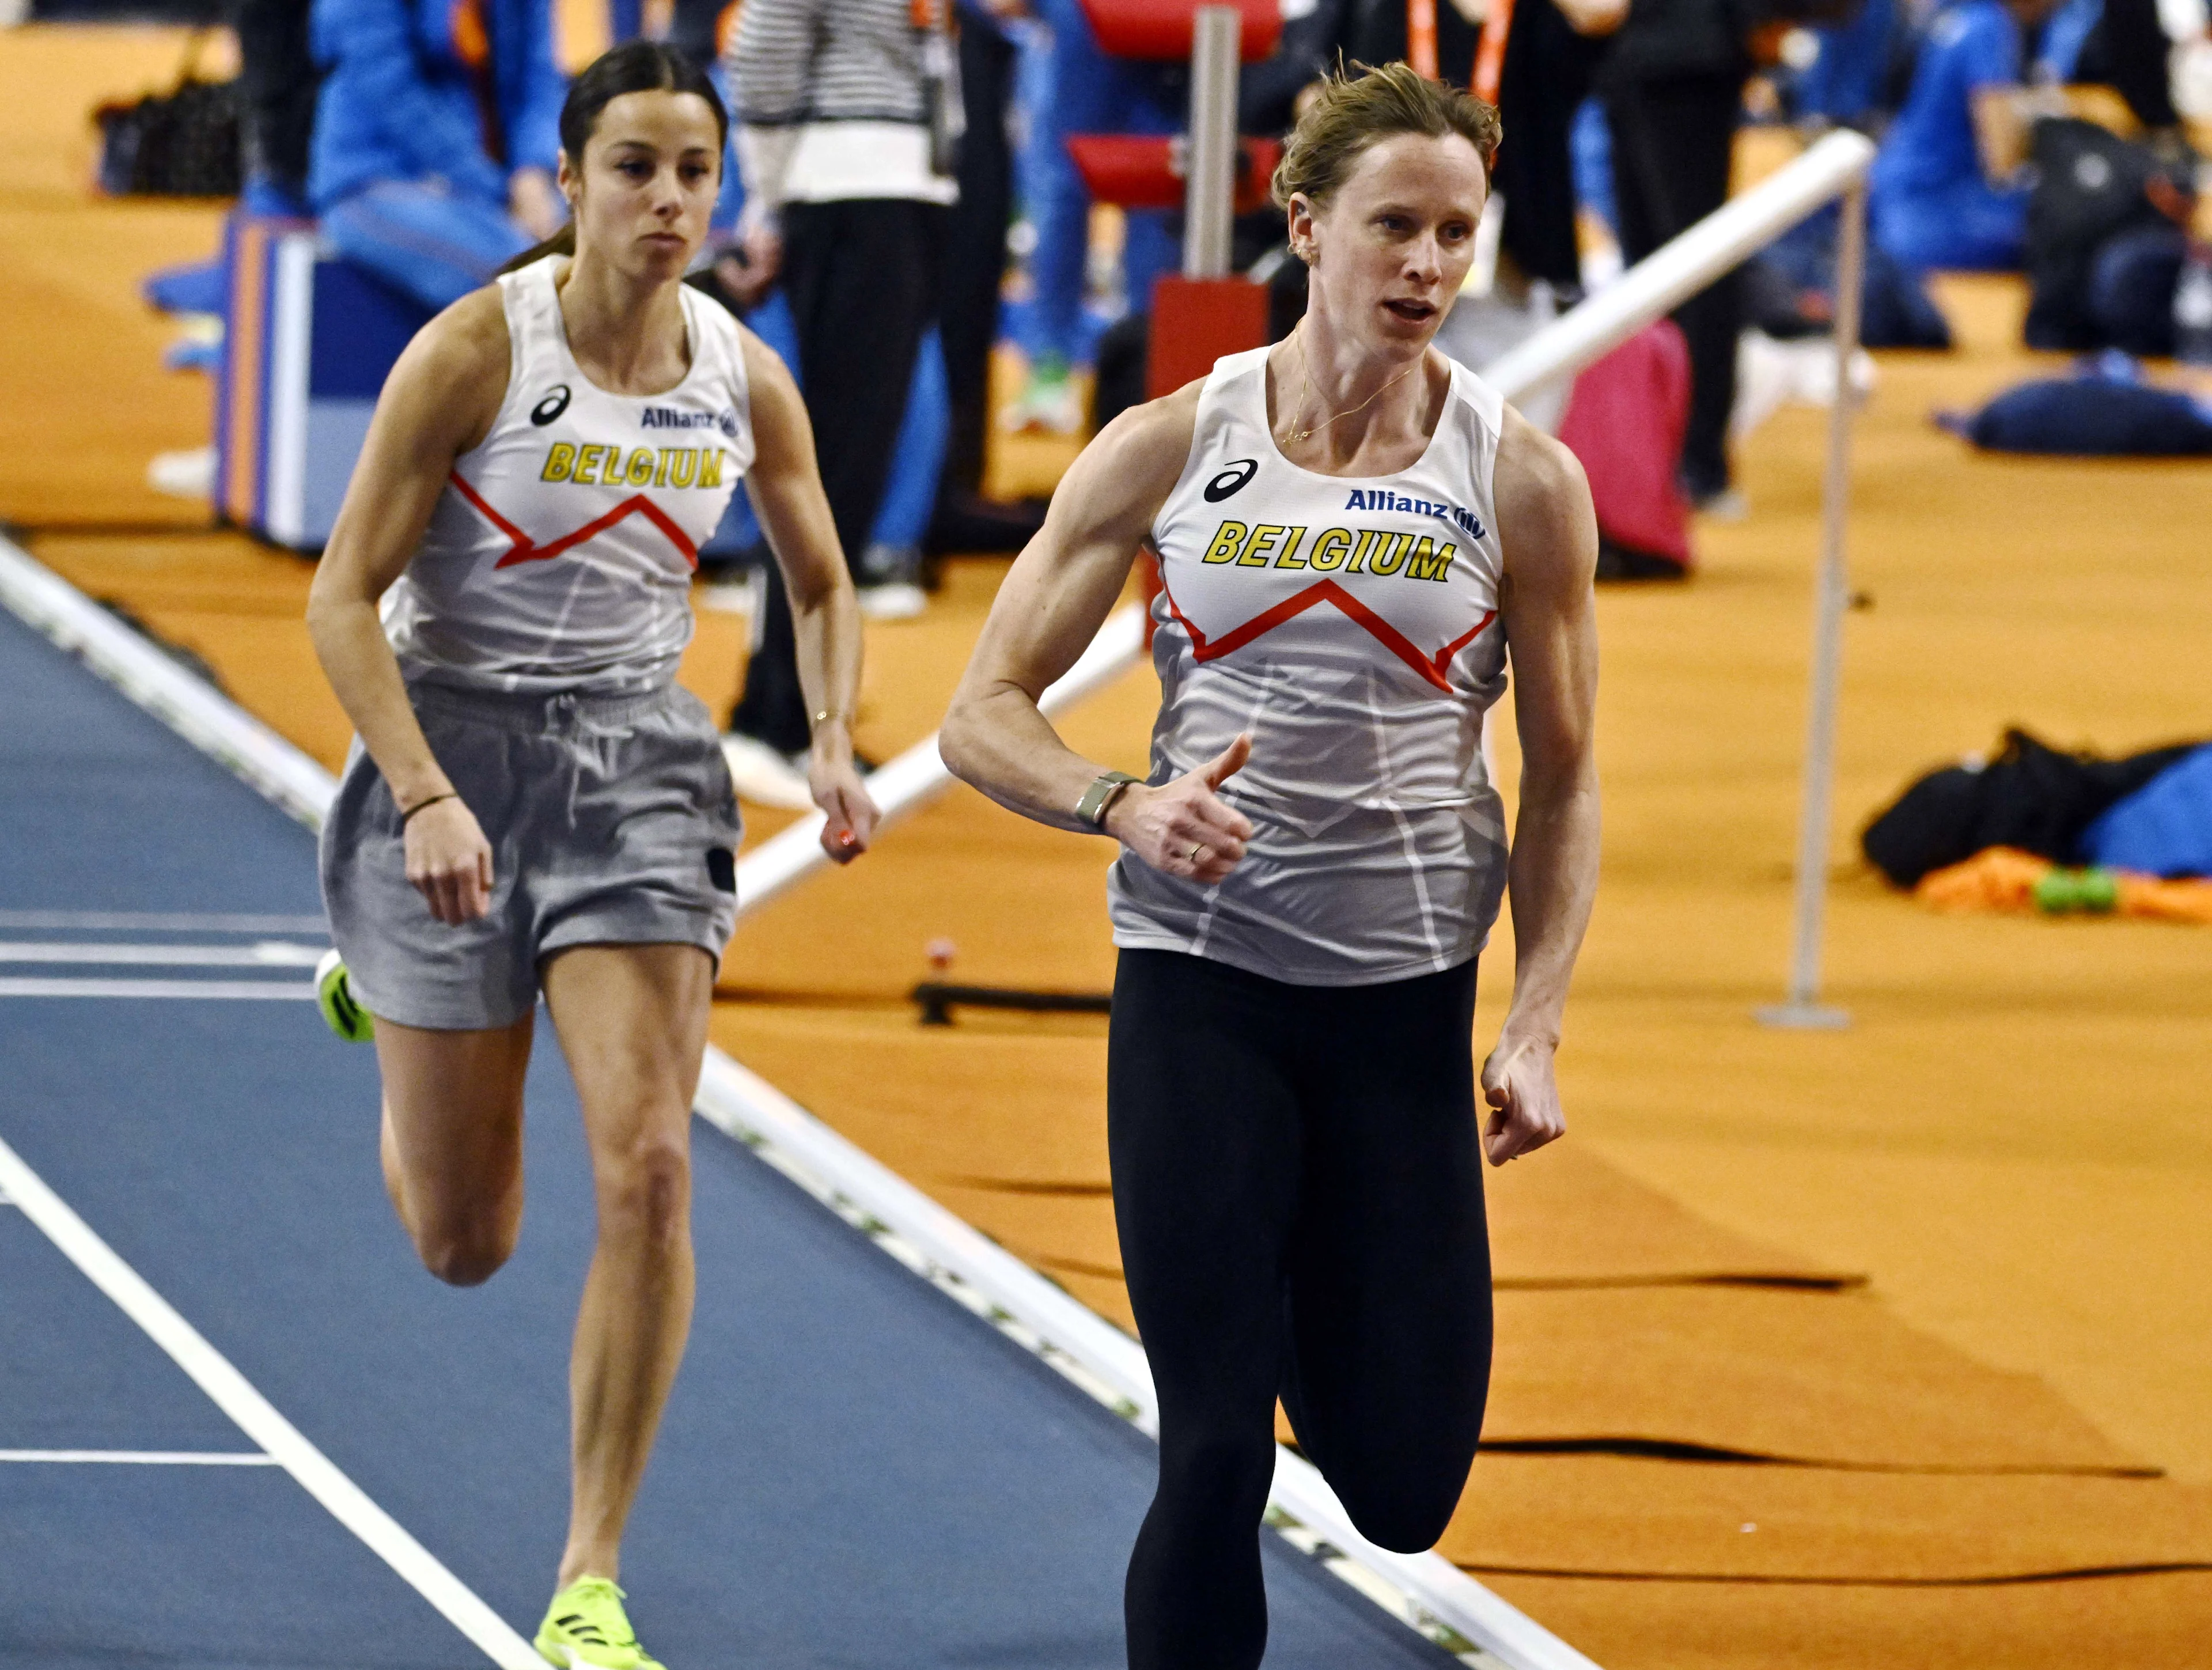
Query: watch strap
{"x":1104,"y":790}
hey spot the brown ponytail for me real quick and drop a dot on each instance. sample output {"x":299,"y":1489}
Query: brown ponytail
{"x":563,"y":242}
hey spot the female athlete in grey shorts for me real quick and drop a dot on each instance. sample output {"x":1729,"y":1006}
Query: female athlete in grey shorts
{"x":533,"y":802}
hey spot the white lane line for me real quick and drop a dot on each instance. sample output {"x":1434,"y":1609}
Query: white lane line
{"x":258,"y":1418}
{"x":156,"y":921}
{"x":145,"y":1457}
{"x":262,"y":954}
{"x":187,"y":704}
{"x":32,"y":985}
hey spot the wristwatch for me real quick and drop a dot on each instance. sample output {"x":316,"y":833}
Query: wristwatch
{"x":1105,"y":789}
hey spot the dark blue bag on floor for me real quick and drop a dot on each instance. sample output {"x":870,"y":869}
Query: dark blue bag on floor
{"x":2104,"y":410}
{"x":2163,"y":828}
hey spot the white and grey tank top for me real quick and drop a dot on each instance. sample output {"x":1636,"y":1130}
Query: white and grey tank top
{"x":1350,"y":626}
{"x":560,"y":556}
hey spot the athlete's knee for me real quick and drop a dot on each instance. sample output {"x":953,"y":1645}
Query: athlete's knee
{"x":1404,"y":1510}
{"x":645,"y":1190}
{"x":465,"y":1252}
{"x":1216,"y":1465}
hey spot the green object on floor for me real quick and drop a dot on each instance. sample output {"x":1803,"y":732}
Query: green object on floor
{"x":2095,"y":891}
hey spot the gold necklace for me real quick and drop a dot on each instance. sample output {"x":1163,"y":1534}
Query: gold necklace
{"x":1305,"y":387}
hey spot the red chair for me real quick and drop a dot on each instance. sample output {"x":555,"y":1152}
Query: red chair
{"x":1195,"y":321}
{"x":1161,"y":31}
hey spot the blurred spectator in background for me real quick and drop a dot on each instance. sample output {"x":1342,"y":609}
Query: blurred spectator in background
{"x":849,"y":112}
{"x":1847,"y":84}
{"x":276,"y":84}
{"x":2065,"y":36}
{"x":1673,"y":85}
{"x":1945,"y":191}
{"x":697,"y":26}
{"x":2132,"y":47}
{"x":1553,"y":54}
{"x":2108,"y":217}
{"x":1551,"y":51}
{"x":1070,"y":87}
{"x":277,"y":76}
{"x":436,"y":137}
{"x":975,"y":274}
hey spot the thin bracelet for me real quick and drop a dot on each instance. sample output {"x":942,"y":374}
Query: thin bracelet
{"x":824,"y":716}
{"x":450,"y":794}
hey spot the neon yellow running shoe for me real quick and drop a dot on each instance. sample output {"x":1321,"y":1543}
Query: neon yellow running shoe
{"x":585,"y":1629}
{"x":335,"y":998}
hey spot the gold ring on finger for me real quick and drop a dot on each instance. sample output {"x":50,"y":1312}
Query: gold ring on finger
{"x":1196,"y":848}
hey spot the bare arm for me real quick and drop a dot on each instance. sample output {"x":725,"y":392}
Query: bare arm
{"x":439,"y":401}
{"x":1550,"y":535}
{"x":785,"y":486}
{"x":2000,"y":131}
{"x":2004,"y":125}
{"x":1048,"y":611}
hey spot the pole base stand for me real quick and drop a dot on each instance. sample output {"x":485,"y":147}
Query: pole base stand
{"x":1195,"y":321}
{"x":1803,"y":1016}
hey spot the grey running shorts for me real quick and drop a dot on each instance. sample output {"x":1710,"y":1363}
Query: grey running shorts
{"x":611,"y":821}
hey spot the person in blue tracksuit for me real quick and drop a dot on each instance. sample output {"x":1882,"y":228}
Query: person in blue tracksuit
{"x":436,"y":137}
{"x":1941,"y":192}
{"x":1844,"y":85}
{"x":1073,"y":88}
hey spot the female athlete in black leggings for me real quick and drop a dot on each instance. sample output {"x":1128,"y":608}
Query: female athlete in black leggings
{"x":1351,"y":532}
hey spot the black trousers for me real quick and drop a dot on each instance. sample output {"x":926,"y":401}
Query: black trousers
{"x":1673,"y":142}
{"x":862,"y":281}
{"x":277,"y":75}
{"x":1298,"y":1188}
{"x":975,"y":243}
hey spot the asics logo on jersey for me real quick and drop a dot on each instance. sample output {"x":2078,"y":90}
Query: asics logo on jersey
{"x":1377,"y":498}
{"x":1232,"y":480}
{"x":667,"y":417}
{"x":555,"y":403}
{"x":1353,"y":550}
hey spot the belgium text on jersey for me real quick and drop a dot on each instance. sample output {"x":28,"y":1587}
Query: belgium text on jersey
{"x":644,"y":466}
{"x":1355,"y":550}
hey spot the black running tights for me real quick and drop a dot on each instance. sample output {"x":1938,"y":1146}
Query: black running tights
{"x":1298,"y":1187}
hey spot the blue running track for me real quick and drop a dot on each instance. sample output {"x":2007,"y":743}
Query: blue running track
{"x":854,"y":1472}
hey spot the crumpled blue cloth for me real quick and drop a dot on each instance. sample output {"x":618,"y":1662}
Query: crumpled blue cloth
{"x":2163,"y":828}
{"x":2105,"y":409}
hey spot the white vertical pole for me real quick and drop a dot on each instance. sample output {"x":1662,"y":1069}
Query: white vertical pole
{"x":1830,"y":597}
{"x":1210,"y":187}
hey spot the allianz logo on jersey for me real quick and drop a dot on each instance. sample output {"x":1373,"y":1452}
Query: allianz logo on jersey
{"x":1377,"y":498}
{"x":667,"y":417}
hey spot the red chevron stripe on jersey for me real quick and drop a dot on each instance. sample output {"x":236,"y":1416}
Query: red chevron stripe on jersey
{"x":1431,"y":668}
{"x":526,"y":551}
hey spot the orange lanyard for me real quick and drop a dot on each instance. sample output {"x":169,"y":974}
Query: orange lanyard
{"x":931,"y":16}
{"x":1490,"y":54}
{"x":1421,"y":43}
{"x":1421,"y":37}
